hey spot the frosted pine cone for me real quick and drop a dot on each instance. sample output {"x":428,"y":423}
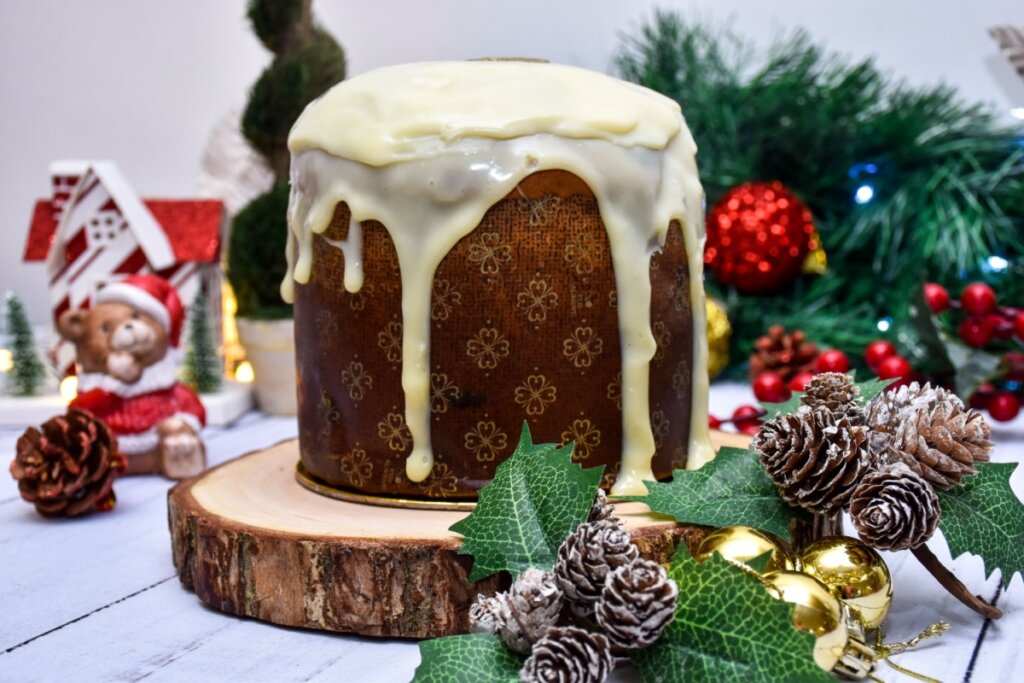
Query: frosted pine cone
{"x":601,"y":509}
{"x":930,"y":430}
{"x":637,"y":603}
{"x":531,"y":607}
{"x":485,"y":613}
{"x":568,"y":655}
{"x":814,"y":457}
{"x":894,"y":508}
{"x":585,"y":559}
{"x":67,"y":467}
{"x":836,"y":392}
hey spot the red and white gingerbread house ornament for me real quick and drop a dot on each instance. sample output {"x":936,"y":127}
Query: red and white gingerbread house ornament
{"x":95,"y":230}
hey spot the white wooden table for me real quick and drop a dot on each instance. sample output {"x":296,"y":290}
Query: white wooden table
{"x":97,"y":599}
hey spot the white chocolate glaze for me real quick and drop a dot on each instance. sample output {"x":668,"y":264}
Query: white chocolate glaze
{"x":427,"y":149}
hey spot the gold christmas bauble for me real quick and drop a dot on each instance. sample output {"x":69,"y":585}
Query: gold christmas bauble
{"x":740,"y":544}
{"x":817,"y":611}
{"x":719,"y":331}
{"x":854,"y":573}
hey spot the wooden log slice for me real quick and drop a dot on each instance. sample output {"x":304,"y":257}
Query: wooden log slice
{"x":250,"y":541}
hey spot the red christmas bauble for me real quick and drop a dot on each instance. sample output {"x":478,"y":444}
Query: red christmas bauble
{"x":714,"y":422}
{"x":758,"y":235}
{"x":1018,"y":325}
{"x":1003,"y":407}
{"x":800,"y":381}
{"x":976,"y":332}
{"x":937,"y":297}
{"x":832,"y":360}
{"x":978,"y":298}
{"x":769,"y":388}
{"x":877,"y":351}
{"x":894,"y":367}
{"x":747,"y":417}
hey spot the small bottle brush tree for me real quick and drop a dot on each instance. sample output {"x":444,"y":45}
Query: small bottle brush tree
{"x":27,"y":371}
{"x":307,"y":61}
{"x":202,"y":364}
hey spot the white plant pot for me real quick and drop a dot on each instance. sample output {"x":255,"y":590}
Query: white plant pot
{"x":270,"y":347}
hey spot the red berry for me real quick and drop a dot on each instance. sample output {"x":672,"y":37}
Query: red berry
{"x":714,"y":422}
{"x":832,"y":360}
{"x":877,"y":351}
{"x":976,"y":332}
{"x":769,"y":388}
{"x":1002,"y":327}
{"x":1018,"y":325}
{"x":1014,"y":364}
{"x":746,"y":417}
{"x":800,"y":381}
{"x":978,"y":298}
{"x":1004,"y":406}
{"x":894,"y":367}
{"x":937,"y":297}
{"x":981,"y":396}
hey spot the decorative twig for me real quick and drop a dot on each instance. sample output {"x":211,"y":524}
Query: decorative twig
{"x":952,"y":584}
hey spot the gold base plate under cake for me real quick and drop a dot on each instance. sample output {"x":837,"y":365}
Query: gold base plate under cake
{"x":308,"y":481}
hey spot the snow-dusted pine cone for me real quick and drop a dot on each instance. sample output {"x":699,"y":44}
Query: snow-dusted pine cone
{"x":586,"y":557}
{"x":894,"y":508}
{"x":601,"y":509}
{"x":637,"y":603}
{"x":529,"y":609}
{"x":568,"y":655}
{"x":485,"y":613}
{"x":930,"y":430}
{"x":836,"y":392}
{"x":814,"y":457}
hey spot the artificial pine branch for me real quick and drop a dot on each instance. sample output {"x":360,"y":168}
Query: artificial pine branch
{"x":948,"y":178}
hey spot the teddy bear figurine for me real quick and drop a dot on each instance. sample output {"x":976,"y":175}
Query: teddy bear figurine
{"x":126,"y":348}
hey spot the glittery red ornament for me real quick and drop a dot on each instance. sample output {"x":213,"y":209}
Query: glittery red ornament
{"x":758,"y":235}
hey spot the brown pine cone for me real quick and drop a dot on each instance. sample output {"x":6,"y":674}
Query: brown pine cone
{"x":637,"y":603}
{"x":836,"y":392}
{"x":568,"y":655}
{"x":894,"y":508}
{"x":601,"y":509}
{"x":68,"y":467}
{"x":586,"y":557}
{"x":485,"y":613}
{"x":814,"y":457}
{"x":787,"y":353}
{"x":529,"y":609}
{"x":930,"y":430}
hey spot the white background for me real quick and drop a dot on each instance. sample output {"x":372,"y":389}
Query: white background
{"x":142,"y":82}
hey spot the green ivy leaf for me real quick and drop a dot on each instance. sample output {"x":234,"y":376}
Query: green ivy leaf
{"x":727,"y":627}
{"x":984,"y":517}
{"x":537,"y":498}
{"x":477,"y":658}
{"x":732,"y":489}
{"x":868,"y":390}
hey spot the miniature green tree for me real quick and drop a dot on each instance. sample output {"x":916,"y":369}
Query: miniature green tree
{"x":27,"y":372}
{"x":202,"y":370}
{"x":307,"y":61}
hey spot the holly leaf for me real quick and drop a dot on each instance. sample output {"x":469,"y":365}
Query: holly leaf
{"x":868,"y":390}
{"x":477,"y":658}
{"x":537,"y":498}
{"x":730,"y":490}
{"x":727,"y":627}
{"x":872,"y":387}
{"x":984,"y":517}
{"x":790,"y":405}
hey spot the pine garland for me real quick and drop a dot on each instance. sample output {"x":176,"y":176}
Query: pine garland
{"x":948,"y":179}
{"x":27,"y":371}
{"x":202,"y":370}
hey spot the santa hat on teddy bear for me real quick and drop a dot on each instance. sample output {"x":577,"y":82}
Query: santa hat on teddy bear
{"x":151,"y":295}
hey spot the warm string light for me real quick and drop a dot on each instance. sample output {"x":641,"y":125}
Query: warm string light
{"x":69,"y":388}
{"x":244,"y":372}
{"x":232,"y":351}
{"x":6,"y":360}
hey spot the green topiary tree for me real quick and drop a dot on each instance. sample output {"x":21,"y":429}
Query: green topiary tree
{"x":27,"y":372}
{"x":202,"y":371}
{"x":307,"y":61}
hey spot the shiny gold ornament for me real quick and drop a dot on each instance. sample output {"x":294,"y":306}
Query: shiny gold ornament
{"x":741,"y":544}
{"x":817,"y":611}
{"x":854,"y":573}
{"x":816,"y":261}
{"x":719,"y":332}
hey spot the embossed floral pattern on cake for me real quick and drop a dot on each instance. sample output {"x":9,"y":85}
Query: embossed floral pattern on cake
{"x":524,"y":325}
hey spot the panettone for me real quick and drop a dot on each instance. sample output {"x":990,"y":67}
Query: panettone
{"x":477,"y":244}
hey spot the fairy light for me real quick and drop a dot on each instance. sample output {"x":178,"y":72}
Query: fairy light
{"x":884,"y":324}
{"x":69,"y":388}
{"x":864,"y":194}
{"x":996,"y":264}
{"x":6,"y":360}
{"x":244,"y":372}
